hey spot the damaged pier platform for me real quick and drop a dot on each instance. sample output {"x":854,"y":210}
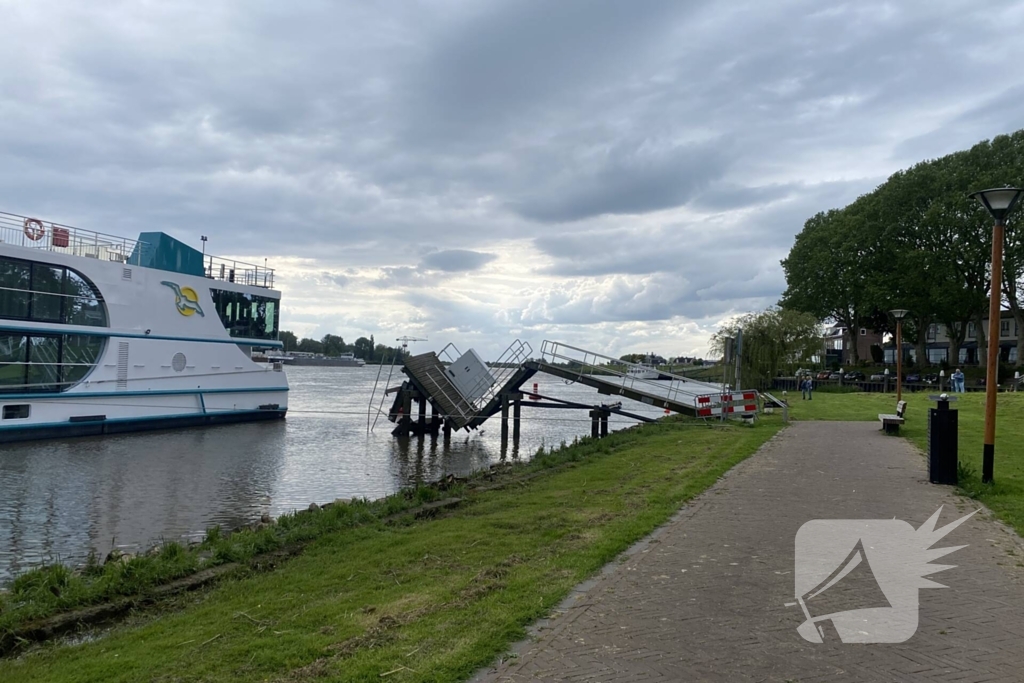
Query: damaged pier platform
{"x":463,"y":392}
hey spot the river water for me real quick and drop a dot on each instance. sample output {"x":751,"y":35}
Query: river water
{"x":59,"y":499}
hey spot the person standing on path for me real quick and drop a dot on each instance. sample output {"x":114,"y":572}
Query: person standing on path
{"x":958,"y":381}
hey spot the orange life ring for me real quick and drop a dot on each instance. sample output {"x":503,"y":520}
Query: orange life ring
{"x":34,"y":229}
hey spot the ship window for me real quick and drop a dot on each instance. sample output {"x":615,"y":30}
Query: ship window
{"x":79,"y":355}
{"x":13,"y":354}
{"x":43,"y":363}
{"x":46,"y":362}
{"x":16,"y":412}
{"x":247,"y":316}
{"x":48,"y":293}
{"x":82,"y":306}
{"x":14,"y":281}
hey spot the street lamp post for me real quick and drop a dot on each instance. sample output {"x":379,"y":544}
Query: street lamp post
{"x":998,"y":202}
{"x":899,"y":314}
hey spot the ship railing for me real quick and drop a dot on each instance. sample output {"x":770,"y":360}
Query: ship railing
{"x":238,"y":272}
{"x":25,"y":231}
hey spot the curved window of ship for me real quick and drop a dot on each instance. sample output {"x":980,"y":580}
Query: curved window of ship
{"x":32,"y":363}
{"x":247,"y":316}
{"x":47,"y":293}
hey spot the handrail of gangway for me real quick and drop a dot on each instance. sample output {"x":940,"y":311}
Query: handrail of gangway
{"x":680,"y":389}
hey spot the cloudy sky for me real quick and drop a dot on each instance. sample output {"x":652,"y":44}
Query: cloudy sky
{"x":619,"y":175}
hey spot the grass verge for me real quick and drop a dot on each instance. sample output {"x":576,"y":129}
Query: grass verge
{"x":420,"y":600}
{"x":56,"y":588}
{"x":1006,"y":496}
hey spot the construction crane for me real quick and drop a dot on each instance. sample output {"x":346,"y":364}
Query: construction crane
{"x":405,"y":342}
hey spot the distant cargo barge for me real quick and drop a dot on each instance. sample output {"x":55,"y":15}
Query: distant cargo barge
{"x":345,"y":360}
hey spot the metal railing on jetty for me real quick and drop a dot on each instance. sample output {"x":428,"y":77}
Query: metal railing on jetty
{"x":427,"y":373}
{"x":509,"y":363}
{"x":611,"y":375}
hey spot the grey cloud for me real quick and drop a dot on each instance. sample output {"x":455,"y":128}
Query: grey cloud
{"x":403,"y":276}
{"x":727,"y":196}
{"x":457,"y":260}
{"x":511,"y":57}
{"x":1000,"y":113}
{"x":652,"y":298}
{"x":632,"y":180}
{"x":709,"y":248}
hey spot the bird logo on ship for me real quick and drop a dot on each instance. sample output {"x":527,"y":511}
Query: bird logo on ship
{"x":185,"y":298}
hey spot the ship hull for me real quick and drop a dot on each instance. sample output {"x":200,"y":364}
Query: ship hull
{"x":101,"y":427}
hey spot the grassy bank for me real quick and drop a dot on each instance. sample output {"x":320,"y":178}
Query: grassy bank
{"x":57,"y":588}
{"x":1006,"y":496}
{"x":419,"y":600}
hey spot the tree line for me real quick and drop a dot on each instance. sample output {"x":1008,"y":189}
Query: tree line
{"x":916,"y":242}
{"x":334,"y":345}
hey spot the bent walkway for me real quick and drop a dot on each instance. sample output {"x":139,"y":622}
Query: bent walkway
{"x":703,"y":599}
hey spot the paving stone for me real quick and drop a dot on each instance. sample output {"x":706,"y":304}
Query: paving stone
{"x":703,"y":598}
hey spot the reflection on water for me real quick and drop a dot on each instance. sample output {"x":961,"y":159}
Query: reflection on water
{"x":59,"y":499}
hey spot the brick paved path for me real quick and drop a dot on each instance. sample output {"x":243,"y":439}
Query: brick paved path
{"x":703,"y":598}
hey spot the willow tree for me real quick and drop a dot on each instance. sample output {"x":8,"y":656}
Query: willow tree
{"x":773,"y":339}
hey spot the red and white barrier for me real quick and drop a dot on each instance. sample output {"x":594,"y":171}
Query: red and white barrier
{"x":738,"y":402}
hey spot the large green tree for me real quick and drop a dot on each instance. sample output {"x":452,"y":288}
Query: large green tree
{"x":308,"y":345}
{"x":916,"y":242}
{"x":825,"y":271}
{"x":288,"y":339}
{"x":333,"y":345}
{"x":363,"y":348}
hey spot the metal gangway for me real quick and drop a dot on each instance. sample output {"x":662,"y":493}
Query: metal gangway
{"x":611,"y":376}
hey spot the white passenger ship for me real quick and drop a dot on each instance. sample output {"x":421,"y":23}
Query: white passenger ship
{"x":102,"y":334}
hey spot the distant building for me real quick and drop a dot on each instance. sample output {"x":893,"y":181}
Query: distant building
{"x":937,"y":344}
{"x":838,"y":341}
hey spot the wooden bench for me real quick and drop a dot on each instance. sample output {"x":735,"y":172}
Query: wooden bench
{"x":891,"y":423}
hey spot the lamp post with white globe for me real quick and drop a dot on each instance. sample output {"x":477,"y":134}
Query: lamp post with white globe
{"x":998,"y":202}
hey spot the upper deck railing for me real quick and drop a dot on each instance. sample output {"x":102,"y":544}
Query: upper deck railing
{"x":25,"y":231}
{"x":240,"y":273}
